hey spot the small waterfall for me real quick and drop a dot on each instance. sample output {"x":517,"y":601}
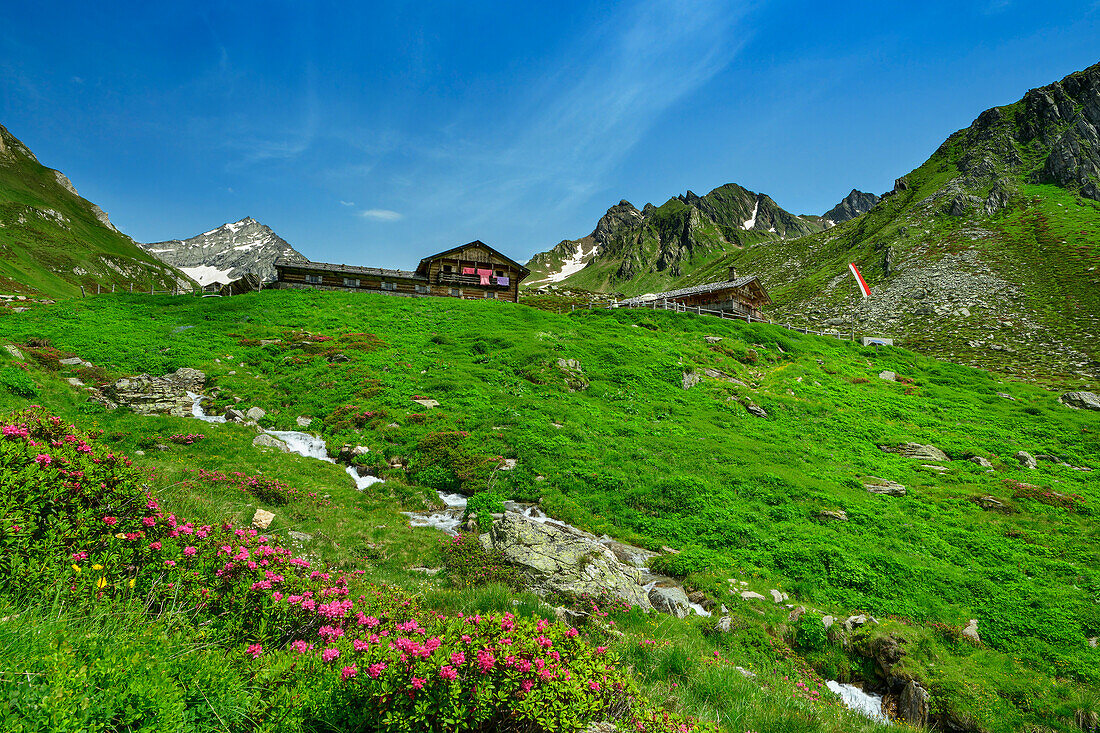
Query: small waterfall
{"x":301,"y":443}
{"x":856,"y":699}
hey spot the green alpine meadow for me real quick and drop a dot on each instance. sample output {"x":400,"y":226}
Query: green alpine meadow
{"x":732,"y":503}
{"x":320,"y":432}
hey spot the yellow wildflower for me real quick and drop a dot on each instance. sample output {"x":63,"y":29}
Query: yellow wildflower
{"x":132,"y":582}
{"x":76,"y":568}
{"x":97,"y":566}
{"x":120,"y":536}
{"x":101,"y":583}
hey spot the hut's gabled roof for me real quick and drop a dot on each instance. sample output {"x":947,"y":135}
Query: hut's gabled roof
{"x":423,"y":266}
{"x":698,"y":290}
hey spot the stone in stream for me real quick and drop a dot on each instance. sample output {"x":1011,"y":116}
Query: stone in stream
{"x":671,"y":600}
{"x":232,"y":414}
{"x":264,"y":440}
{"x":553,"y":558}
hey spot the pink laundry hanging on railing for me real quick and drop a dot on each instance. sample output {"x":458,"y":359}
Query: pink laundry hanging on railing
{"x":467,"y":271}
{"x":484,"y":275}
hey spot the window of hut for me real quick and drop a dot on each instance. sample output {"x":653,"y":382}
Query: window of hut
{"x":351,"y":282}
{"x":314,"y":279}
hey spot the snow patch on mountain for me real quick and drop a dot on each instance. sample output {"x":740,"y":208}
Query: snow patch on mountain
{"x":751,"y":222}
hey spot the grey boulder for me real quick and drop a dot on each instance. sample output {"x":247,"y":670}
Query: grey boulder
{"x":560,"y":559}
{"x":264,"y":440}
{"x":671,"y":600}
{"x":1081,"y":400}
{"x":916,"y":450}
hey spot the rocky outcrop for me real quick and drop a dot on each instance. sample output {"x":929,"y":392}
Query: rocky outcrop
{"x":1081,"y":400}
{"x":554,"y":558}
{"x":914,"y":705}
{"x":147,"y":395}
{"x":916,"y":450}
{"x":571,"y":370}
{"x":884,"y":487}
{"x":1026,"y":459}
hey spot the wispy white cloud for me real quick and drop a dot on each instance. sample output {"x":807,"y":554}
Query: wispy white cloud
{"x":381,"y":214}
{"x":347,"y":203}
{"x":583,"y":113}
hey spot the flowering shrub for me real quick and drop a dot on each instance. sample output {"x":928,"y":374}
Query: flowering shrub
{"x":185,"y":439}
{"x":264,"y":488}
{"x":56,"y":492}
{"x":357,"y":656}
{"x":1072,"y":502}
{"x":349,"y":417}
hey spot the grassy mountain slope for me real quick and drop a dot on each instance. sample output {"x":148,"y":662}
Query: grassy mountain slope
{"x":52,"y":240}
{"x":637,"y":456}
{"x":987,"y":249}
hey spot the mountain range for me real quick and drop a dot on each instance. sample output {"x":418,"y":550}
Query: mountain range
{"x":226,"y":253}
{"x":634,"y":251}
{"x":985,"y":254}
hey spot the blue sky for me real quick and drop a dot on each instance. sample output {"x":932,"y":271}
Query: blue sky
{"x":377,"y":133}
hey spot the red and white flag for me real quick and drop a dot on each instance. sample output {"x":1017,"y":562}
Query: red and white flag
{"x":860,"y":281}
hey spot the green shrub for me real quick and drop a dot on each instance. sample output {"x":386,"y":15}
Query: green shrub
{"x":810,"y":633}
{"x":469,"y":564}
{"x":484,"y":504}
{"x":18,"y":382}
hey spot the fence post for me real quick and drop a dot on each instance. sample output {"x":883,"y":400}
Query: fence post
{"x":82,"y":293}
{"x":131,"y":288}
{"x":98,"y":289}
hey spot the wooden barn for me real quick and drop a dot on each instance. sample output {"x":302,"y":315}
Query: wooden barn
{"x":471,"y":271}
{"x":743,"y":296}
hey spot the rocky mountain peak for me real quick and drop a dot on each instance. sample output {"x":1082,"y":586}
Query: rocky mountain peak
{"x":854,"y":204}
{"x":226,"y":253}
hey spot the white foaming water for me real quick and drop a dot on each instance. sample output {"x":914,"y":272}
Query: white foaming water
{"x":699,"y":609}
{"x":856,"y":699}
{"x":303,"y":444}
{"x":197,"y":411}
{"x":453,"y":499}
{"x":362,"y":482}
